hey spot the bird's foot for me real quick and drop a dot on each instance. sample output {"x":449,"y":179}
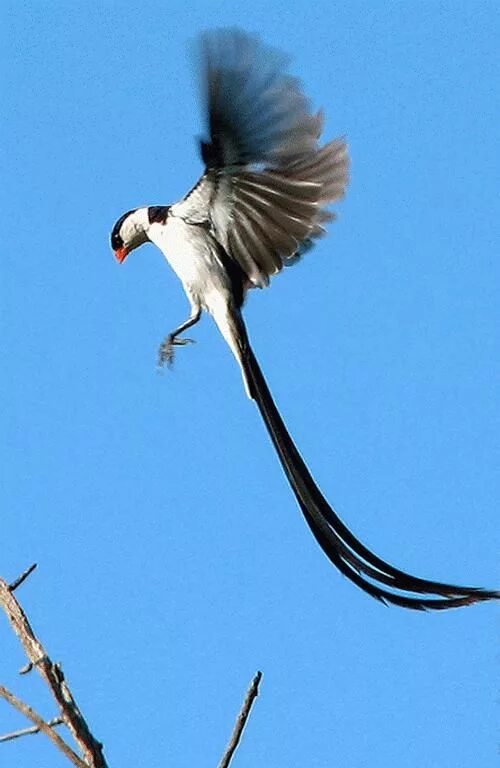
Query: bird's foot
{"x":166,"y":351}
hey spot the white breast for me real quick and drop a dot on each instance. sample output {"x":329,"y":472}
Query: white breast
{"x":192,"y":253}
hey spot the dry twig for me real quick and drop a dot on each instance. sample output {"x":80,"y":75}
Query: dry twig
{"x":70,"y":715}
{"x":41,"y":726}
{"x":252,"y":694}
{"x":90,"y":748}
{"x":27,"y":731}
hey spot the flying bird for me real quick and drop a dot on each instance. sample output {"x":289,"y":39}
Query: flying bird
{"x":259,"y":206}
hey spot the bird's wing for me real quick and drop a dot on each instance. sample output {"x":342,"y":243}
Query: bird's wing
{"x":267,"y":180}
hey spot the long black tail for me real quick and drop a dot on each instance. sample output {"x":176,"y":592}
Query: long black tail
{"x":345,"y":551}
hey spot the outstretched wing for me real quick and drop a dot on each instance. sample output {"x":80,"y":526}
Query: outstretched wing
{"x":267,"y":180}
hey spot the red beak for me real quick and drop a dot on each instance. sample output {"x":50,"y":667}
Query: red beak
{"x":121,"y":254}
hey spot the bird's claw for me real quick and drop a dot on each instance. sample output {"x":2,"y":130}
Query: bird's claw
{"x":166,"y":352}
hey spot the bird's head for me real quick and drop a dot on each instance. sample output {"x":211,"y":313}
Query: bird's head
{"x":129,"y":232}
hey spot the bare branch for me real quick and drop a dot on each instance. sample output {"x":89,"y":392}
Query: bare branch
{"x":252,"y":694}
{"x":70,"y":715}
{"x":90,"y":748}
{"x":42,"y":726}
{"x":17,"y":583}
{"x":30,"y":731}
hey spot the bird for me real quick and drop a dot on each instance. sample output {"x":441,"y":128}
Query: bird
{"x":260,"y":205}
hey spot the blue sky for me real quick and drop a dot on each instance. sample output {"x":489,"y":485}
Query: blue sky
{"x":173,"y":561}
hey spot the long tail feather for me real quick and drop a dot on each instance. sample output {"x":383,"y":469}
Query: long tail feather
{"x":344,"y":550}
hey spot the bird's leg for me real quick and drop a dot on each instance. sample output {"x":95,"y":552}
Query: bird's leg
{"x":166,"y":350}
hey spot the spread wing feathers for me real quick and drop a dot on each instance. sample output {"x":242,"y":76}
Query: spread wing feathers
{"x":328,"y":166}
{"x":267,"y":180}
{"x":264,"y":219}
{"x":256,"y":112}
{"x":271,"y":215}
{"x":367,"y":571}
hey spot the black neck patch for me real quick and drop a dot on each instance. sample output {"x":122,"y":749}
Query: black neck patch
{"x":158,"y":214}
